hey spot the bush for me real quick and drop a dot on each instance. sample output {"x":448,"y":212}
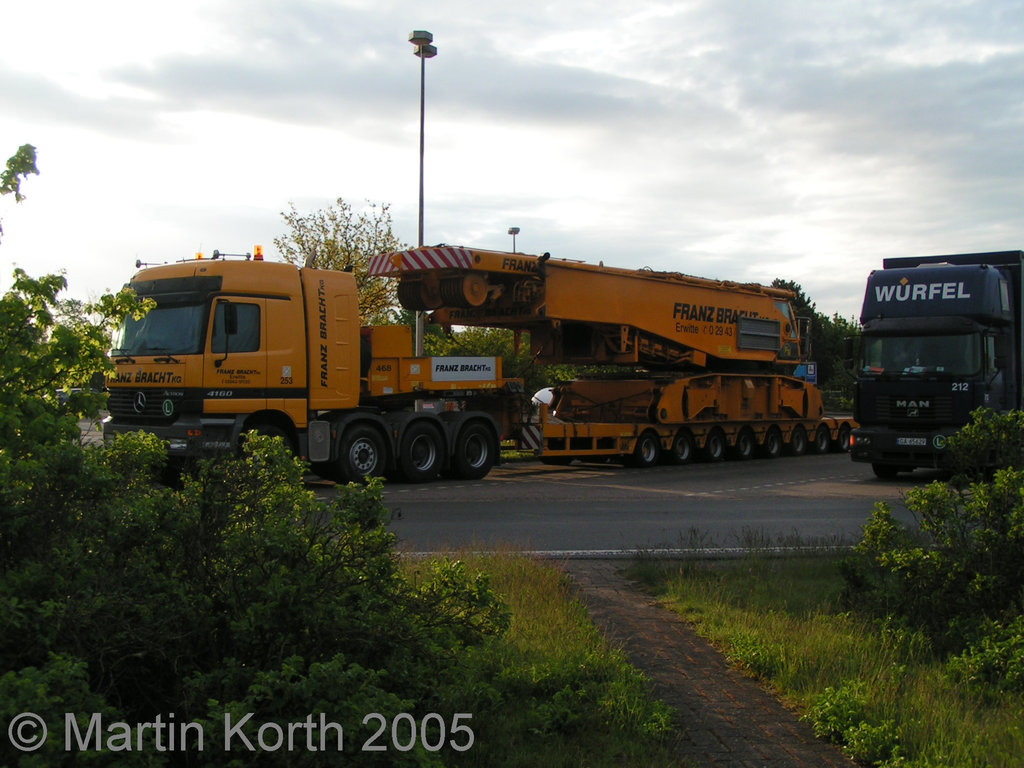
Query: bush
{"x":966,"y":564}
{"x":990,"y":441}
{"x":238,"y":593}
{"x":839,"y":715}
{"x":994,"y":658}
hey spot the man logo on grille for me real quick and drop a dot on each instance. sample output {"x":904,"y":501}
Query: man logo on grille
{"x":139,"y":403}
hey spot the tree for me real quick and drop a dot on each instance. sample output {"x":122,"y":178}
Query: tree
{"x":18,"y":167}
{"x":340,"y":238}
{"x":827,"y":336}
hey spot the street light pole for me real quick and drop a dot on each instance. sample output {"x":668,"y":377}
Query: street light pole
{"x":424,"y":50}
{"x":513,"y":231}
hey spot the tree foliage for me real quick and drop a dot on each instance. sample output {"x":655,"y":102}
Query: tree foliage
{"x":48,"y":349}
{"x":827,"y":337}
{"x":340,"y":238}
{"x":19,"y":166}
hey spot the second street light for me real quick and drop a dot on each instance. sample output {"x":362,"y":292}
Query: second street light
{"x":424,"y":50}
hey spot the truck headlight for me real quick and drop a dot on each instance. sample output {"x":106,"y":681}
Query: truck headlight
{"x":861,"y":441}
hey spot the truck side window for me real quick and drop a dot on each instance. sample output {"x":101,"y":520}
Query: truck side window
{"x":246,"y":337}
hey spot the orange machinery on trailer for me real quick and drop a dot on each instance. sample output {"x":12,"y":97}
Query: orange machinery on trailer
{"x":714,"y":359}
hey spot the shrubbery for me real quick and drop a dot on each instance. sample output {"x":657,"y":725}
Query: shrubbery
{"x":961,"y":577}
{"x":239,"y":593}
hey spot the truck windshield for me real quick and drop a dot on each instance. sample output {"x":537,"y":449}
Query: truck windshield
{"x":169,"y":330}
{"x":917,"y":355}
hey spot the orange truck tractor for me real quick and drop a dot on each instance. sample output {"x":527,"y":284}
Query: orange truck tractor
{"x":234,"y":345}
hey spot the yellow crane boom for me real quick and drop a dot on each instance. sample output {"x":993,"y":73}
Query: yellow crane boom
{"x":585,"y":313}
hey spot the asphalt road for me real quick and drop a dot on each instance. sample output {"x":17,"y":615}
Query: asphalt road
{"x":600,"y":509}
{"x":805,"y":501}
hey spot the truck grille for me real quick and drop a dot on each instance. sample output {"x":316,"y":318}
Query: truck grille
{"x":141,"y":406}
{"x":907,"y":410}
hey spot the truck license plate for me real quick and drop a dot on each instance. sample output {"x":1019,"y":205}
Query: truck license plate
{"x":913,"y":442}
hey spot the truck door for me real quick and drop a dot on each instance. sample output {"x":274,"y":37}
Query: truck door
{"x":235,"y":363}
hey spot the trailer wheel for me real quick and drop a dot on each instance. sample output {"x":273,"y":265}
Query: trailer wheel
{"x":682,"y":448}
{"x":714,"y":446}
{"x":842,"y":444}
{"x":363,"y":454}
{"x":822,"y":439}
{"x":746,"y":445}
{"x":475,"y":452}
{"x":772,"y":446}
{"x":797,"y":441}
{"x":646,"y":451}
{"x":422,"y":453}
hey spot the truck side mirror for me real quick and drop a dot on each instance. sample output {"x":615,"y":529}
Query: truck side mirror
{"x":230,"y":318}
{"x":228,"y":313}
{"x":848,"y":351}
{"x":1002,"y":352}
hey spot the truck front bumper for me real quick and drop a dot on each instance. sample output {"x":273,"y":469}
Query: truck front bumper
{"x":900,"y":447}
{"x":187,"y":437}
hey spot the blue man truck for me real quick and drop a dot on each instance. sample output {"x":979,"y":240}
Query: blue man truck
{"x":941,"y":336}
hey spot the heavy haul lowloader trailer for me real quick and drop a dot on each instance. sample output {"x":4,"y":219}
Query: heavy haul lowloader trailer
{"x":714,"y":358}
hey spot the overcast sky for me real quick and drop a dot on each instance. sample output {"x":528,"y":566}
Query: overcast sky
{"x":733,"y":139}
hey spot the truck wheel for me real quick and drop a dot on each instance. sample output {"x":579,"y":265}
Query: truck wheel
{"x":745,"y":445}
{"x":475,"y":452}
{"x":682,"y":448}
{"x":884,"y":471}
{"x":714,"y":446}
{"x":797,"y":441}
{"x":842,"y":444}
{"x":422,"y":453}
{"x":646,"y":451}
{"x":363,"y":454}
{"x":821,"y":440}
{"x":772,"y":446}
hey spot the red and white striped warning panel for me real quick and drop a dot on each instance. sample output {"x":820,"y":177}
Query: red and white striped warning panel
{"x":530,"y":439}
{"x":448,"y":257}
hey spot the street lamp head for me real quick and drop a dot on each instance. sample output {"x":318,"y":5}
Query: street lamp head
{"x":426,"y":51}
{"x":420,"y":37}
{"x":513,"y":230}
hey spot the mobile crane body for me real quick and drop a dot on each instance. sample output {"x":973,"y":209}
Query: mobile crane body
{"x":711,"y":349}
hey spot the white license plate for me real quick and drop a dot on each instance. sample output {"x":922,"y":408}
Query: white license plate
{"x":913,"y":442}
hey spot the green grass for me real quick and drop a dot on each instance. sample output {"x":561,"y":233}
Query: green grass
{"x":550,"y":691}
{"x":873,"y":687}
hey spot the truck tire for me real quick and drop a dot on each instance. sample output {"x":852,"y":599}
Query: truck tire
{"x":422,"y":453}
{"x":797,"y":441}
{"x":745,"y":446}
{"x":822,"y":439}
{"x":842,"y":444}
{"x":772,"y":446}
{"x":682,"y":448}
{"x":363,"y":454}
{"x":714,"y":446}
{"x":646,"y":451}
{"x":884,"y":471}
{"x":475,"y":452}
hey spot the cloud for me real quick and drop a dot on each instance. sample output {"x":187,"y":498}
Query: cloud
{"x":724,"y":138}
